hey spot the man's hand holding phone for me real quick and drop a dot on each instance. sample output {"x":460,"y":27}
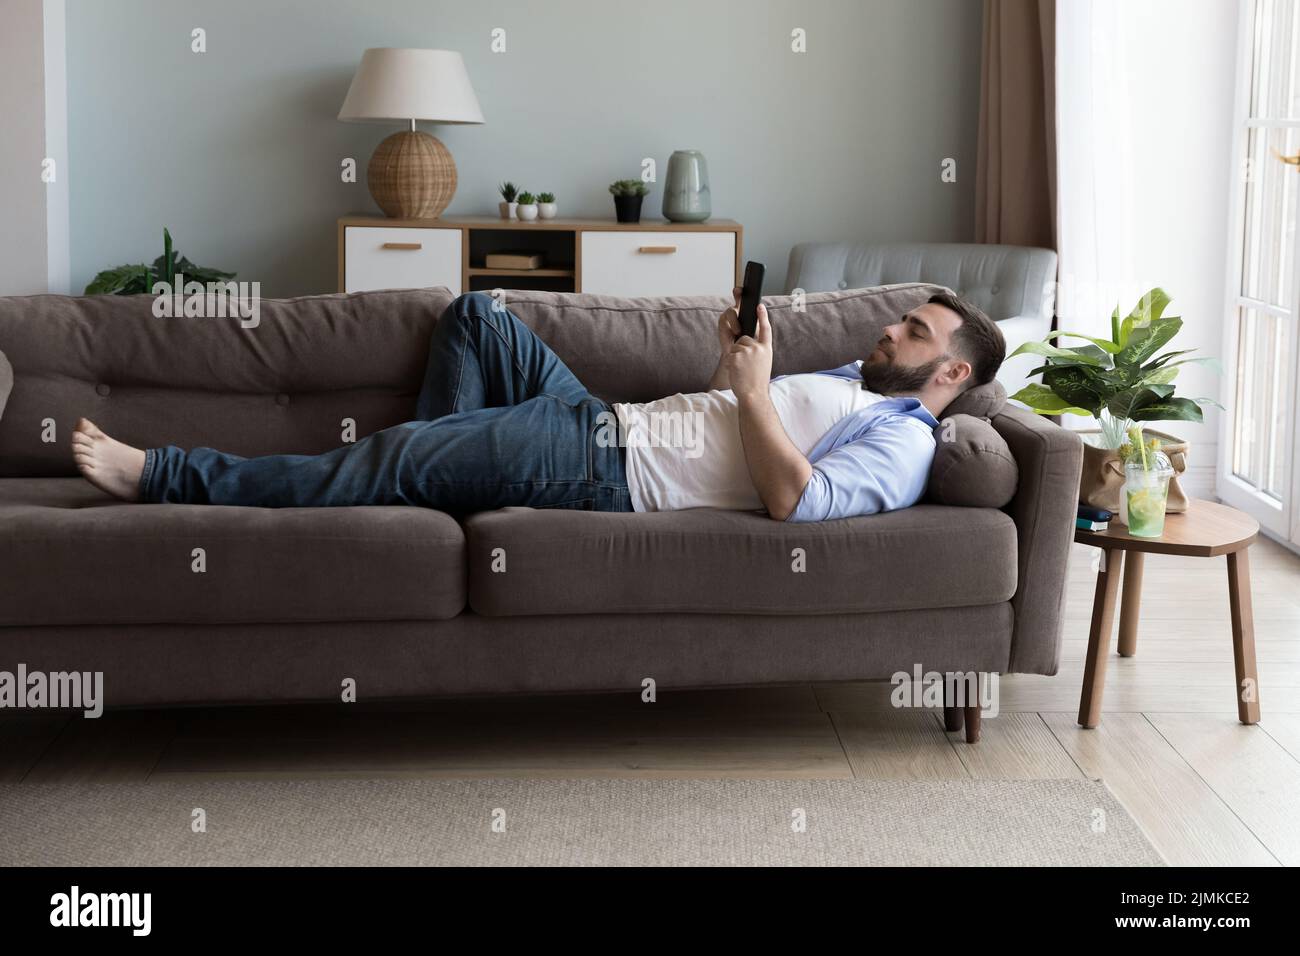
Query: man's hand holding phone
{"x":747,"y":363}
{"x":732,"y":324}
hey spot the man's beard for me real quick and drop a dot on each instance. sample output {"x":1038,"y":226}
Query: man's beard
{"x":898,"y":379}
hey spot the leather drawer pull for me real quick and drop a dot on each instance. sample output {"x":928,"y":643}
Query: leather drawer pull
{"x":403,"y":245}
{"x":658,"y":250}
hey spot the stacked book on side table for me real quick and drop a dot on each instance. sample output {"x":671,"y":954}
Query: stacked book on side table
{"x":1093,"y":519}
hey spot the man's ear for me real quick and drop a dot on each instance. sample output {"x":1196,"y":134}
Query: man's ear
{"x":958,"y":372}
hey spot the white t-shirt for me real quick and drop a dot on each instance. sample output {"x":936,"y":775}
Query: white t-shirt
{"x":684,"y":451}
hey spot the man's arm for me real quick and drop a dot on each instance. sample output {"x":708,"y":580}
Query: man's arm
{"x":777,"y":468}
{"x":885,"y":469}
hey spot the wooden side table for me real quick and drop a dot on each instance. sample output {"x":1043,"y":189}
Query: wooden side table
{"x":1206,"y":529}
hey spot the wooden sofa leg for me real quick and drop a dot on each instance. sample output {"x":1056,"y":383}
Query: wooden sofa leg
{"x":952,"y":717}
{"x":952,"y":714}
{"x":972,"y":724}
{"x":972,"y":714}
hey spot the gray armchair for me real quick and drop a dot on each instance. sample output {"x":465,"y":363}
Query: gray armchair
{"x":1016,"y":285}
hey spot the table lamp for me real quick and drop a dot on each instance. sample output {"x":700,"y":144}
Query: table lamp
{"x":411,"y":174}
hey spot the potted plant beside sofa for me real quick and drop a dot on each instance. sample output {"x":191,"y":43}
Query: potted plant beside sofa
{"x":1117,"y":381}
{"x":140,"y":278}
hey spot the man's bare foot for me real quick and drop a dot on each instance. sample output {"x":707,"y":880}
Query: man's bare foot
{"x":106,"y":463}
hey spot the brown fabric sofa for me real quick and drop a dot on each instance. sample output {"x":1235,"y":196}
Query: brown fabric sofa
{"x":405,"y":601}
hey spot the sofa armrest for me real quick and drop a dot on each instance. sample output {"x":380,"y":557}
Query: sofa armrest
{"x":1046,"y":503}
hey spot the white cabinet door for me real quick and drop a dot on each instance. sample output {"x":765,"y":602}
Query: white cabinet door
{"x":659,"y":263}
{"x":400,"y":258}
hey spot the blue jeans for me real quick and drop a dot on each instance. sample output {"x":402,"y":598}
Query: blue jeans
{"x":501,"y":421}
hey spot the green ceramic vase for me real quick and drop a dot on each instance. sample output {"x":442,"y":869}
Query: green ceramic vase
{"x":686,"y":187}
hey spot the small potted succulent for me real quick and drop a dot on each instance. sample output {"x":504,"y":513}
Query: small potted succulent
{"x":508,"y":205}
{"x":527,"y":210}
{"x":546,"y":205}
{"x":628,"y":194}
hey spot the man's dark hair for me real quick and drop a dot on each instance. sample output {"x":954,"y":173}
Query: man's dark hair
{"x":978,"y":339}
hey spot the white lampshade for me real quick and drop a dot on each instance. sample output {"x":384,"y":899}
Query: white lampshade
{"x":402,"y":85}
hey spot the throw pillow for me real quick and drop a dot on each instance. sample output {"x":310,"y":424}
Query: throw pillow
{"x":973,"y":466}
{"x":982,"y":401}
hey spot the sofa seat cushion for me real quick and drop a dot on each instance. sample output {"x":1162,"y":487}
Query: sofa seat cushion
{"x":545,"y":561}
{"x":70,"y":554}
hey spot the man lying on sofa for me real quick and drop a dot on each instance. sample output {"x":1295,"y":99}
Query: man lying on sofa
{"x":502,"y":421}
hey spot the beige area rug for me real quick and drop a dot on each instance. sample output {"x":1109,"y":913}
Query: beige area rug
{"x":620,"y":822}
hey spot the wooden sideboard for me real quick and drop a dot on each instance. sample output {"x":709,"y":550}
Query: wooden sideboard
{"x":646,"y":258}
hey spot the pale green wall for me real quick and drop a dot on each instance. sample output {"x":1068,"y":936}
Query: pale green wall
{"x":238,"y":149}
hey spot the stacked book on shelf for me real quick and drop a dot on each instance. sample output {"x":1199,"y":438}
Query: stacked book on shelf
{"x":514,"y":259}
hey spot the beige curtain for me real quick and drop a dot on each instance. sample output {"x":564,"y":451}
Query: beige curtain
{"x":1015,"y":173}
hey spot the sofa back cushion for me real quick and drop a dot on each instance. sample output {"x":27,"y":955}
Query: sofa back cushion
{"x":285,"y":385}
{"x":637,"y":350}
{"x":311,"y":364}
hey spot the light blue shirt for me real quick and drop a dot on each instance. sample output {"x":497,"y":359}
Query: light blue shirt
{"x":877,"y":459}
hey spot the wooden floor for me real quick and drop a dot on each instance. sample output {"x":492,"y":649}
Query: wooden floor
{"x":1207,"y":790}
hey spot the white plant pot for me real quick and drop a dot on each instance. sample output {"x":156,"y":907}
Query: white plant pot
{"x":527,"y":213}
{"x":507,"y":209}
{"x":546,"y":210}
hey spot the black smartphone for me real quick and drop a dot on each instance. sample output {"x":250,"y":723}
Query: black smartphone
{"x":750,"y":293}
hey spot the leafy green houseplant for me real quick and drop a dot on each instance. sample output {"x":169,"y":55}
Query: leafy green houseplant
{"x":628,"y":194}
{"x":1118,"y":381}
{"x":134,"y":279}
{"x":1121,"y":375}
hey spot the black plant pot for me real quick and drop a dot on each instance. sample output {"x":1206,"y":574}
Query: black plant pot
{"x":628,"y":208}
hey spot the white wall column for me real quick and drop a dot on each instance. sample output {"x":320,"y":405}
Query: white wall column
{"x":34,"y":246}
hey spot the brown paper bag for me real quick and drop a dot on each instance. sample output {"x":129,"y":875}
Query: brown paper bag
{"x":1102,"y":481}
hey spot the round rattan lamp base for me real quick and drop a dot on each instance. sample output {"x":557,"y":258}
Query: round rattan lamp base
{"x":412,"y":176}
